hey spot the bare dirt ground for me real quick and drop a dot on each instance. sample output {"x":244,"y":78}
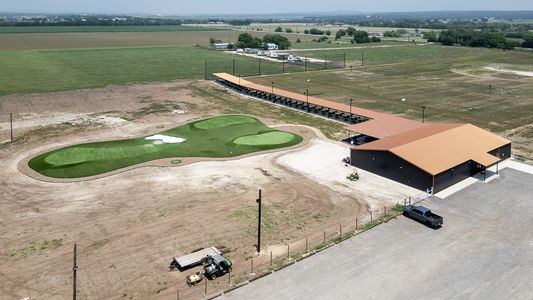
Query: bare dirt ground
{"x":33,"y":41}
{"x":129,"y":225}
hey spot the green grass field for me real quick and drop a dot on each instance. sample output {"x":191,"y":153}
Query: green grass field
{"x":59,"y":70}
{"x":451,"y":82}
{"x":224,"y":136}
{"x":119,"y":28}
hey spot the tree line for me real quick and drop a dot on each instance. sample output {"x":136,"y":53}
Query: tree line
{"x":89,"y":21}
{"x":477,"y":38}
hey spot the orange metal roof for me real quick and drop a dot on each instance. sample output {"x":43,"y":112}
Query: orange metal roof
{"x":380,"y":126}
{"x":438,"y":147}
{"x":433,"y":148}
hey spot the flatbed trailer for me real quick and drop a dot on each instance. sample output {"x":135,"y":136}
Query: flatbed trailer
{"x":193,"y":259}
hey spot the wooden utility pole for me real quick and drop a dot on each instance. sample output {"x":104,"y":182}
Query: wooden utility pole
{"x":74,"y":269}
{"x":259,"y":223}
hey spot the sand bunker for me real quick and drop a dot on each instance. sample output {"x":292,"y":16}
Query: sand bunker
{"x":165,"y":139}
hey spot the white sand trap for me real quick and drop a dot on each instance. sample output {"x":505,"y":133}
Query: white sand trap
{"x":165,"y":139}
{"x":516,"y":72}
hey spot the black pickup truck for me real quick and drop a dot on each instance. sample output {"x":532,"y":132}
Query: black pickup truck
{"x":423,"y":215}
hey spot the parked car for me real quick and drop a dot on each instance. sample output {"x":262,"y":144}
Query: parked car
{"x":423,"y":215}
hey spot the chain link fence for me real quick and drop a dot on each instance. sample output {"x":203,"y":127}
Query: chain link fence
{"x":246,"y":66}
{"x":267,"y":261}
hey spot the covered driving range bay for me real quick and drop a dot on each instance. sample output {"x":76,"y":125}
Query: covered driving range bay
{"x":217,"y":137}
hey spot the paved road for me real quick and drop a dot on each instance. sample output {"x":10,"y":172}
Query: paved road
{"x":484,"y":251}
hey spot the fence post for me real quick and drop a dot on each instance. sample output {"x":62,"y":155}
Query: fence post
{"x":324,"y":236}
{"x":252,"y":265}
{"x":288,"y":251}
{"x":233,"y":70}
{"x":345,"y":60}
{"x":229,"y":277}
{"x":205,"y":286}
{"x":356,"y":225}
{"x":271,"y":258}
{"x":385,"y":210}
{"x":371,"y":216}
{"x":306,"y":244}
{"x":340,"y":229}
{"x":205,"y":69}
{"x":259,"y":59}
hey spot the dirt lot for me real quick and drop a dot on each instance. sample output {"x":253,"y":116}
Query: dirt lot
{"x":129,"y":225}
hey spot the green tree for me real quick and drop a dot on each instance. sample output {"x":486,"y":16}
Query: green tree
{"x":340,"y":33}
{"x":282,"y":42}
{"x":306,"y":31}
{"x":430,"y":36}
{"x":328,"y":32}
{"x":350,"y":31}
{"x":246,"y":40}
{"x":288,"y":30}
{"x":528,"y":42}
{"x":447,"y":37}
{"x":214,"y":41}
{"x":279,"y":29}
{"x":360,"y":37}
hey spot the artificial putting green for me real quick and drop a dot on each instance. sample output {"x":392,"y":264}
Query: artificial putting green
{"x":217,"y":137}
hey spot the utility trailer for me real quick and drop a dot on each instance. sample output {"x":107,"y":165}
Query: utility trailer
{"x":193,"y":259}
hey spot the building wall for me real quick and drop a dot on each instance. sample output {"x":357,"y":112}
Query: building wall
{"x":503,"y":152}
{"x":452,"y":176}
{"x":388,"y":165}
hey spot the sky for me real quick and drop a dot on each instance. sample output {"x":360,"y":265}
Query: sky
{"x":194,"y":7}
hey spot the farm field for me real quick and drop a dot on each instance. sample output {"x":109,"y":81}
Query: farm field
{"x":452,"y":82}
{"x":40,"y":41}
{"x":57,"y":70}
{"x":224,"y":136}
{"x":117,"y":28}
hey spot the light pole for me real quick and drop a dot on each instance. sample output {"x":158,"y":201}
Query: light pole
{"x":423,"y":113}
{"x":272,"y":87}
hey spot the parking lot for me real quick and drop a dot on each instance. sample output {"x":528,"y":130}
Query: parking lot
{"x":483,"y":251}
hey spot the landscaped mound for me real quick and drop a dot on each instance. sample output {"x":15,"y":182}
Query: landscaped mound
{"x":224,"y":136}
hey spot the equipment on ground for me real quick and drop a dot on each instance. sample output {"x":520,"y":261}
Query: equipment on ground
{"x":195,"y":258}
{"x":194,"y":279}
{"x":216,"y":265}
{"x":353,"y":177}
